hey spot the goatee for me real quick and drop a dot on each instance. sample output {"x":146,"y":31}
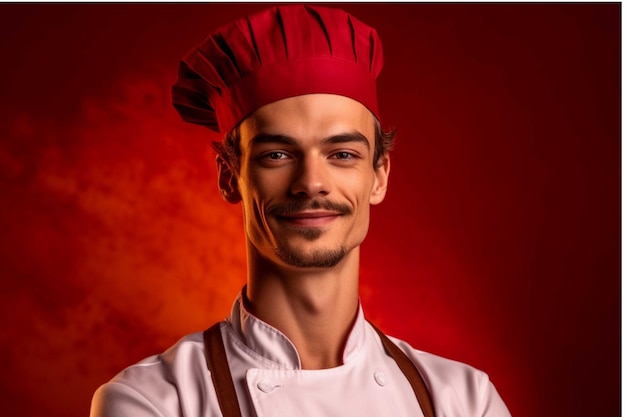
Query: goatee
{"x":318,"y":259}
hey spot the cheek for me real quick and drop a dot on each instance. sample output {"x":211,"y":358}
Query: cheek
{"x":363,"y":184}
{"x":253,"y":185}
{"x":248,"y":190}
{"x":267,"y":181}
{"x":257,"y":191}
{"x":358,"y":190}
{"x":361,"y":222}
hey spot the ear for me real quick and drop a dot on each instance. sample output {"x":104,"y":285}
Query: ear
{"x":227,"y":181}
{"x":381,"y":172}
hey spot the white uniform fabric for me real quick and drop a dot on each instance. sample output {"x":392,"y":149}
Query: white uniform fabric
{"x":270,"y":382}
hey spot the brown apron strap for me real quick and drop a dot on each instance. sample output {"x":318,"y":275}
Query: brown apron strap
{"x":220,"y":372}
{"x":227,"y":396}
{"x":411,"y":373}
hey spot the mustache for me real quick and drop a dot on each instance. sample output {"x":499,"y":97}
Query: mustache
{"x":296,"y":206}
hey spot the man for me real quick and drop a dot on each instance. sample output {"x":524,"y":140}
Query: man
{"x":293,"y":89}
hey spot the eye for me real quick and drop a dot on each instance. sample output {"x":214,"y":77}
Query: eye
{"x":276,"y":155}
{"x":273,"y":159}
{"x":343,"y":155}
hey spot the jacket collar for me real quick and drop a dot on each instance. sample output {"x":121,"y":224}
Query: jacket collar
{"x":271,"y":344}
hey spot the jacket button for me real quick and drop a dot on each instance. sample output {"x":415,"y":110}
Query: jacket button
{"x":380,"y":378}
{"x":265,"y":386}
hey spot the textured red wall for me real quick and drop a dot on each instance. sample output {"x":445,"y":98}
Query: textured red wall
{"x":498,"y":245}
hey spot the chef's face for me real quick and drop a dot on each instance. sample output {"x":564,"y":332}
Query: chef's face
{"x":306,"y":179}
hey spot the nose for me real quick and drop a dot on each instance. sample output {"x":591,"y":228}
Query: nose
{"x":311,"y":178}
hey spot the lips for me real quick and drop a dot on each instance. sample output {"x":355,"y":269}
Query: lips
{"x":317,"y":218}
{"x":309,"y":213}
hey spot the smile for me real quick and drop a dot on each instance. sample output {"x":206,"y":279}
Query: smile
{"x":310,"y":218}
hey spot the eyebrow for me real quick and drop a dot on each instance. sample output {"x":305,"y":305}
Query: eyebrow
{"x":347,"y":137}
{"x":262,"y":138}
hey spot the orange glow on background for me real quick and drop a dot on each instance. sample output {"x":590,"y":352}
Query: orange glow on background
{"x":498,"y":243}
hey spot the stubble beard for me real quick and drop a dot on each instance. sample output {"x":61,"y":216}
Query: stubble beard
{"x":317,"y":259}
{"x":322,"y":258}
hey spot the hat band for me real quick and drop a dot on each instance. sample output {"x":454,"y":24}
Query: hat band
{"x":292,"y":78}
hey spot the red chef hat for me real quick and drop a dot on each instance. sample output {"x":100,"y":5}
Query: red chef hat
{"x":282,"y":52}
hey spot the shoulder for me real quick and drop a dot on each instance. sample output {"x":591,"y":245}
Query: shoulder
{"x":439,"y":369}
{"x":456,"y":388}
{"x":154,"y":386}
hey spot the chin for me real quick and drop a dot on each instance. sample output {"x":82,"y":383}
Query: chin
{"x":323,"y":258}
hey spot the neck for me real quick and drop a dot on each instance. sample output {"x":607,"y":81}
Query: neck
{"x":315,"y":308}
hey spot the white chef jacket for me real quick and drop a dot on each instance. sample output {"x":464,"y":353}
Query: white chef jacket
{"x":269,"y":381}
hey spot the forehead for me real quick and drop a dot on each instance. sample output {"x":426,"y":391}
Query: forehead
{"x":309,"y":117}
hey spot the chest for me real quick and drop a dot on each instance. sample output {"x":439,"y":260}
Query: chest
{"x":369,"y":386}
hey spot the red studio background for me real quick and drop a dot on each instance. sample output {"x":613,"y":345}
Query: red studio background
{"x":498,"y":244}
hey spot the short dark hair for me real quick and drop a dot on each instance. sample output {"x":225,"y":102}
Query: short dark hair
{"x":228,"y":149}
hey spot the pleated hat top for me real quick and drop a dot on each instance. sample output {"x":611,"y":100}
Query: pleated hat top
{"x":281,"y":52}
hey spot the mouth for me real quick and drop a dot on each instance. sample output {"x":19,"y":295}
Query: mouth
{"x":316,"y":218}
